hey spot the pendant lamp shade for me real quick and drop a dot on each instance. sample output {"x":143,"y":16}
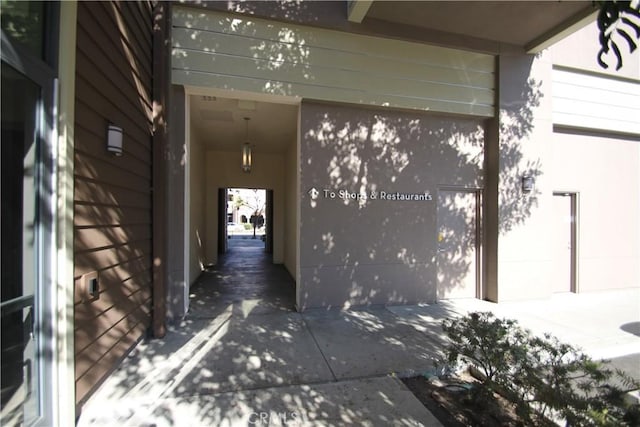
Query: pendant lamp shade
{"x":246,"y":151}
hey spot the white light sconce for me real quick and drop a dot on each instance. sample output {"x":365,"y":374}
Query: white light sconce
{"x":114,"y":140}
{"x":246,"y":151}
{"x":527,"y":184}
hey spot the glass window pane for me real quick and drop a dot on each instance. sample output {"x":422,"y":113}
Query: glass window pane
{"x":19,"y":151}
{"x":24,"y":22}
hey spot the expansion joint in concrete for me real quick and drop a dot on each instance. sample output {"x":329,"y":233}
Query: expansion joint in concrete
{"x":324,"y":357}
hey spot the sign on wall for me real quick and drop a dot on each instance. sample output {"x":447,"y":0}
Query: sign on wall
{"x":394,"y":196}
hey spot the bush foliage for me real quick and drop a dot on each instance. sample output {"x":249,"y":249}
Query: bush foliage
{"x":543,"y":377}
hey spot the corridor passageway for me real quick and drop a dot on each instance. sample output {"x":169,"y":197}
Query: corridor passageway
{"x":245,"y":278}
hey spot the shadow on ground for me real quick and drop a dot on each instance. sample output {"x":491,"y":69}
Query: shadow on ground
{"x":242,"y":355}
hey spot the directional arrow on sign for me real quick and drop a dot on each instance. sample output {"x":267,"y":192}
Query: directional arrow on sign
{"x":313,"y":193}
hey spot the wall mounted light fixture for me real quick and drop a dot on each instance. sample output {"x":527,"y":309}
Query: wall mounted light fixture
{"x":114,"y":140}
{"x":527,"y":184}
{"x":246,"y":151}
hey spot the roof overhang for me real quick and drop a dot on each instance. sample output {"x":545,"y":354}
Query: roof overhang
{"x":530,"y":25}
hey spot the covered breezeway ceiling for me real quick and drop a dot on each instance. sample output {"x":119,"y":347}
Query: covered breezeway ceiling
{"x":219,"y":123}
{"x":529,"y":24}
{"x":481,"y":26}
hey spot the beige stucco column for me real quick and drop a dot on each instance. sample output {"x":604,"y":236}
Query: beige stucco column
{"x":519,"y":143}
{"x":176,"y":175}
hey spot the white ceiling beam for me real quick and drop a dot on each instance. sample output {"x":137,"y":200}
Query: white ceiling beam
{"x":357,"y":10}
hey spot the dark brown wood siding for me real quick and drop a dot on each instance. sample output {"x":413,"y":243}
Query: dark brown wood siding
{"x":112,"y":213}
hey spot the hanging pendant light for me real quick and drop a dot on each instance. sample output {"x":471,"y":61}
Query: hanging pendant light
{"x":246,"y":151}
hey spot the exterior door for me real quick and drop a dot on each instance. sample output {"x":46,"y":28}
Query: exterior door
{"x":26,"y":215}
{"x":458,"y":244}
{"x":563,"y":242}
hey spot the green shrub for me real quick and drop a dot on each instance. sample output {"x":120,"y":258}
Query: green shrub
{"x":541,"y":376}
{"x":248,"y":226}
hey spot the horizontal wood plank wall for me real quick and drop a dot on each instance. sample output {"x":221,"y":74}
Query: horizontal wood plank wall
{"x":213,"y":49}
{"x":589,"y":101}
{"x":112,"y":195}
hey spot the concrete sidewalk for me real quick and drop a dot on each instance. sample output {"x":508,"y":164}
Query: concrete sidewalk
{"x":253,"y":365}
{"x":604,"y":325}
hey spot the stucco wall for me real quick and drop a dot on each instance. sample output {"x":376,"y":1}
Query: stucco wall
{"x":290,"y":214}
{"x":525,"y":133}
{"x":354,"y":253}
{"x":378,"y":251}
{"x":176,"y":177}
{"x":605,"y":172}
{"x":599,"y":163}
{"x":197,"y":197}
{"x":223,"y":171}
{"x":580,"y":51}
{"x":586,"y":162}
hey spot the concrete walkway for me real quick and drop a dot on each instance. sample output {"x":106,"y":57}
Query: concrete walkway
{"x":243,"y":356}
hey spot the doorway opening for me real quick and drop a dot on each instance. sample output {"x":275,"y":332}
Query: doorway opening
{"x":241,"y":223}
{"x":245,"y":275}
{"x":565,"y":235}
{"x":245,"y":220}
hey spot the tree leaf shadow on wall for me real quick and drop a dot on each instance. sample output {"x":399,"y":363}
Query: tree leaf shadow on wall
{"x":112,"y":195}
{"x":355,"y":149}
{"x":377,"y":149}
{"x":364,"y":150}
{"x":516,"y":126}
